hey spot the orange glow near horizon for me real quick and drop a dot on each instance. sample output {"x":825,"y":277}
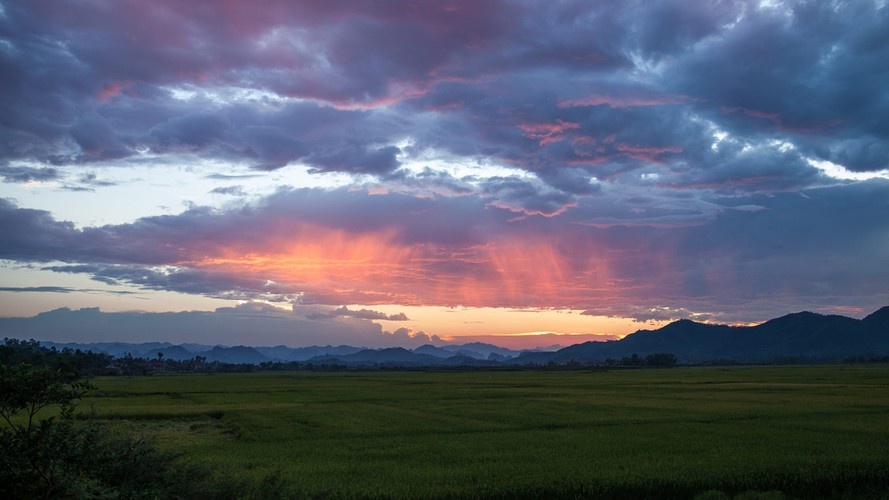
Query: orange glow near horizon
{"x":525,"y":328}
{"x":332,"y":266}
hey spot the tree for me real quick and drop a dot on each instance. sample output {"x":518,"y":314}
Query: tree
{"x":633,"y":360}
{"x":661,"y":359}
{"x":36,"y":459}
{"x":47,"y":453}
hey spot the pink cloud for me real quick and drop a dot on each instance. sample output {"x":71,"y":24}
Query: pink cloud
{"x":109,"y":91}
{"x":584,"y":145}
{"x":646,"y":153}
{"x":546,"y":133}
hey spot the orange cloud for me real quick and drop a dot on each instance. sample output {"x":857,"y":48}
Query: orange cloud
{"x":338,"y":267}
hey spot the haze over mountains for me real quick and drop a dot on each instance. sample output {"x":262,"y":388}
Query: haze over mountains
{"x":803,"y":336}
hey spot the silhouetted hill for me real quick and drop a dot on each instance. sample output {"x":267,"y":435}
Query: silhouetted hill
{"x":284,"y":353}
{"x":175,"y":352}
{"x":237,"y":354}
{"x":812,"y":335}
{"x":803,"y":335}
{"x":878,"y":319}
{"x":431,"y":350}
{"x":391,"y":356}
{"x":480,"y":350}
{"x":397,"y":356}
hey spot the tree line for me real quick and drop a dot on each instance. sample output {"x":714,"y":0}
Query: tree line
{"x":656,"y":360}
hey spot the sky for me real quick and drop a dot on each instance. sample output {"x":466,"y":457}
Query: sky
{"x":404,"y":172}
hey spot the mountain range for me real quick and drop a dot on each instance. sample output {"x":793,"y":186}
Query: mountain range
{"x":802,"y":336}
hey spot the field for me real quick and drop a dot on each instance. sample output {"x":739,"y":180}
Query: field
{"x":806,"y":431}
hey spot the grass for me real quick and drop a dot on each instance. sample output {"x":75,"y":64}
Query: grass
{"x":802,"y":431}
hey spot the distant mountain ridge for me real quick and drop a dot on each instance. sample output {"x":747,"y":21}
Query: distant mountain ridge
{"x":427,"y":355}
{"x":803,"y":335}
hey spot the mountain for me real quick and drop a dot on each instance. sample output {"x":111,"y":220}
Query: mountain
{"x":480,"y":350}
{"x":237,"y":354}
{"x":812,"y":335}
{"x":431,"y":350}
{"x":878,"y":319}
{"x":693,"y":340}
{"x":473,"y":350}
{"x":803,"y":335}
{"x":392,"y":356}
{"x":284,"y":353}
{"x":397,"y":356}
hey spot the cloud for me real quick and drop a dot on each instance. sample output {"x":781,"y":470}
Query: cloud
{"x":553,"y":154}
{"x":627,"y":101}
{"x":270,"y":88}
{"x":368,"y":314}
{"x":357,"y":160}
{"x":521,"y":196}
{"x":61,"y":289}
{"x":347,"y":247}
{"x":40,"y":289}
{"x":28,"y":174}
{"x":268,"y":326}
{"x":229,"y":190}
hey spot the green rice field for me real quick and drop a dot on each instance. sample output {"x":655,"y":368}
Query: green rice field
{"x":706,"y":432}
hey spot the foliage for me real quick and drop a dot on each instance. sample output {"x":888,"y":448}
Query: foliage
{"x":48,"y":453}
{"x":71,"y":362}
{"x":655,"y":360}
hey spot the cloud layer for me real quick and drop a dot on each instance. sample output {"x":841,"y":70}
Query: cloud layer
{"x":632,"y":159}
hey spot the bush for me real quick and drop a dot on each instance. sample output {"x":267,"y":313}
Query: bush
{"x":56,"y":456}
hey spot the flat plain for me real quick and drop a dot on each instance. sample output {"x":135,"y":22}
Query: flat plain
{"x":803,"y":431}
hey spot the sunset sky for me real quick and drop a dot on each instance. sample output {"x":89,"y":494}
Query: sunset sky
{"x":402,"y":172}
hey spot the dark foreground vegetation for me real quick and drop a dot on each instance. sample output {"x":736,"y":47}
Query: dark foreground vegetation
{"x":692,"y":432}
{"x":50,"y":451}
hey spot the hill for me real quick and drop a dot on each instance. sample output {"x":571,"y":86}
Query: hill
{"x":799,"y":336}
{"x":802,"y":336}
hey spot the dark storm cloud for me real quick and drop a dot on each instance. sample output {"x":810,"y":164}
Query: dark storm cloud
{"x":357,"y":160}
{"x":521,"y":196}
{"x":95,"y":84}
{"x":32,"y":235}
{"x":107,"y":61}
{"x":813,"y":72}
{"x":193,"y":131}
